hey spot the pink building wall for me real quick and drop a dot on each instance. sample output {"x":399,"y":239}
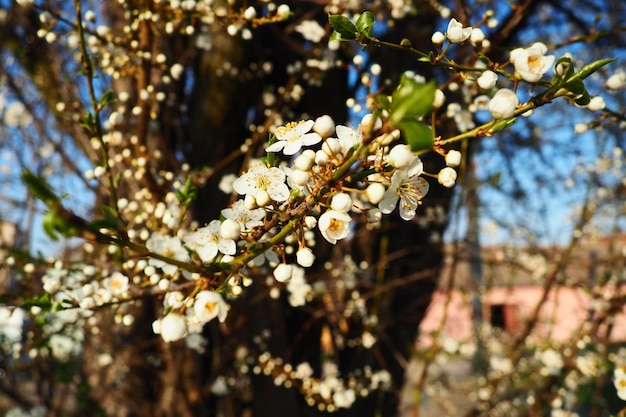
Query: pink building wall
{"x":562,"y":315}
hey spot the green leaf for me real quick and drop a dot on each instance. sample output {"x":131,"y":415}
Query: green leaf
{"x":49,"y":225}
{"x":502,"y":124}
{"x":417,"y":135}
{"x":411,"y":100}
{"x":344,"y":29}
{"x":383,"y":101}
{"x":42,"y":301}
{"x":583,"y":100}
{"x":270,"y":159}
{"x":88,"y":121}
{"x":566,"y":63}
{"x":365,"y":23}
{"x":589,"y":69}
{"x":106,"y":98}
{"x":575,"y":86}
{"x":41,"y":190}
{"x":109,"y":221}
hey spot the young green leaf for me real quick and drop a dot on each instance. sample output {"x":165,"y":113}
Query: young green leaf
{"x":411,"y":100}
{"x":107,"y":98}
{"x":589,"y":69}
{"x":417,"y":135}
{"x":344,"y":29}
{"x":365,"y":23}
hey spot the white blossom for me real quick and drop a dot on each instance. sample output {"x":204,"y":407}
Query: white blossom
{"x":531,"y":63}
{"x":209,"y":305}
{"x":291,"y":137}
{"x":334,"y":225}
{"x":408,"y":187}
{"x":208,"y":241}
{"x":311,"y":30}
{"x":168,"y":246}
{"x":261,"y":179}
{"x":456,"y":32}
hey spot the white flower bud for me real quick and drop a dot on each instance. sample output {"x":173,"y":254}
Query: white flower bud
{"x":477,"y":36}
{"x":375,"y":192}
{"x":332,"y":147}
{"x":596,"y":103}
{"x":249,"y":202}
{"x":283,"y":272}
{"x":299,"y":177}
{"x":440,"y":98}
{"x":487,"y":80}
{"x":324,"y":126}
{"x":164,"y":284}
{"x":172,"y":327}
{"x":283,"y":11}
{"x":230,"y":229}
{"x":616,"y":81}
{"x":341,"y":202}
{"x":249,"y":13}
{"x":305,"y":161}
{"x":447,"y":177}
{"x":262,"y":198}
{"x":438,"y":38}
{"x":321,"y":158}
{"x":503,"y":104}
{"x":305,"y":257}
{"x":176,"y":71}
{"x":580,"y":128}
{"x":366,"y":120}
{"x":453,"y":158}
{"x":374,"y":215}
{"x":310,"y":222}
{"x":400,"y":156}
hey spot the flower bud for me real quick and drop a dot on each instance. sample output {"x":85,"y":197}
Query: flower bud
{"x":283,"y":272}
{"x":596,"y":103}
{"x":440,"y":98}
{"x":438,"y":38}
{"x":332,"y":147}
{"x":249,"y":202}
{"x":447,"y":177}
{"x":249,"y":13}
{"x":230,"y":229}
{"x":283,"y":11}
{"x":321,"y":158}
{"x":400,"y":156}
{"x":341,"y":202}
{"x":300,"y":178}
{"x":262,"y":198}
{"x":310,"y":222}
{"x":173,"y":327}
{"x":616,"y":81}
{"x":374,"y":215}
{"x":305,"y":161}
{"x":477,"y":36}
{"x":375,"y":192}
{"x":453,"y":158}
{"x":324,"y":126}
{"x":487,"y":80}
{"x":503,"y":104}
{"x":305,"y":257}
